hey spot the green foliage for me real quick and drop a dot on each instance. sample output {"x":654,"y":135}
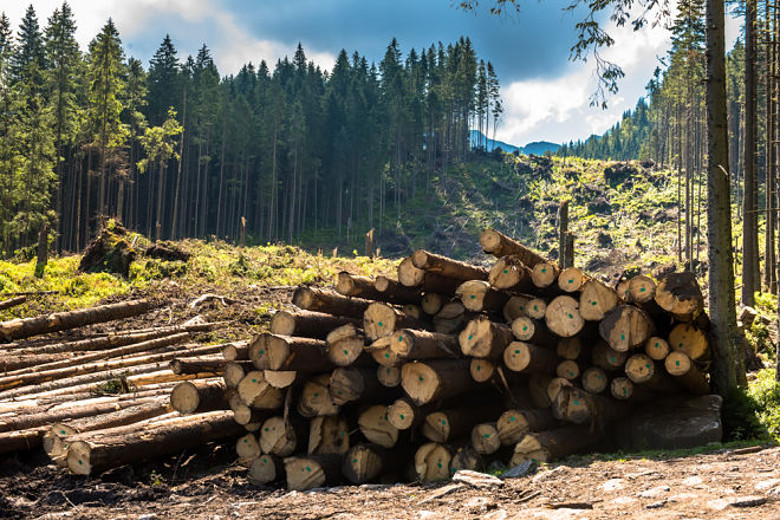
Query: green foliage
{"x":740,"y":417}
{"x":765,"y":394}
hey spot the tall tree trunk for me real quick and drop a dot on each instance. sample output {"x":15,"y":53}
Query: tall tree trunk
{"x":750,"y":199}
{"x":728,"y":367}
{"x":174,"y":230}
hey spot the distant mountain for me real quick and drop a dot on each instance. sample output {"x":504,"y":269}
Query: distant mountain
{"x":536,"y":148}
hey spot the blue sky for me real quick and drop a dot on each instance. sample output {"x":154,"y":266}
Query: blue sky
{"x":545,"y":95}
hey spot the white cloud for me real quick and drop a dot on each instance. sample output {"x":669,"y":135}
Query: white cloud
{"x":232,"y":45}
{"x":558,"y":109}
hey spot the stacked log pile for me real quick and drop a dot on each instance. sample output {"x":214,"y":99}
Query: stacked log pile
{"x":450,"y":366}
{"x":453,"y":366}
{"x":80,"y":398}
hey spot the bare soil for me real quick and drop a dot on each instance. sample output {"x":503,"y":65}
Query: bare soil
{"x":206,"y":485}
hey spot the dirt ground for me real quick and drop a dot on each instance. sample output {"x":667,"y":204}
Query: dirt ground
{"x":205,"y":485}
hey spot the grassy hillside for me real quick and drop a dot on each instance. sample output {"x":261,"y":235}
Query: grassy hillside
{"x":622,"y":214}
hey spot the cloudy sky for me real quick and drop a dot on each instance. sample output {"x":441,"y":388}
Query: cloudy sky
{"x":545,"y":95}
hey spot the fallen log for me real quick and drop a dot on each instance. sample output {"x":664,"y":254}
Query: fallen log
{"x":596,"y":300}
{"x":525,"y":357}
{"x":515,"y":424}
{"x":328,"y":435}
{"x":530,"y":331}
{"x":26,"y":327}
{"x":273,"y":352}
{"x":315,"y":398}
{"x":689,"y":339}
{"x":12,"y":302}
{"x":396,"y":292}
{"x":382,"y":320}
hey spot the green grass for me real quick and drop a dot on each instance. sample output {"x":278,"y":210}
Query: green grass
{"x":213,"y":267}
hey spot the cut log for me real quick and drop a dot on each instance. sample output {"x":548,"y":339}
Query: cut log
{"x":516,"y":307}
{"x":536,"y":308}
{"x":420,"y":344}
{"x":481,"y":370}
{"x":554,"y":388}
{"x":451,"y":318}
{"x":81,"y":359}
{"x":657,"y":348}
{"x":478,"y":296}
{"x":596,"y":300}
{"x":396,"y":292}
{"x":247,"y":449}
{"x":642,"y":289}
{"x":680,"y":295}
{"x":438,"y":264}
{"x":315,"y":398}
{"x":569,"y":348}
{"x":432,"y":303}
{"x":380,"y":320}
{"x":498,"y":244}
{"x":545,"y":274}
{"x":621,"y":388}
{"x":319,"y":300}
{"x":484,"y":438}
{"x":408,"y":274}
{"x":640,"y":368}
{"x":350,"y":284}
{"x":61,"y":376}
{"x":607,"y":358}
{"x":248,"y":417}
{"x":280,"y":437}
{"x":594,"y":380}
{"x":577,"y":406}
{"x":467,"y":458}
{"x":686,"y":373}
{"x":389,"y":377}
{"x":12,"y":302}
{"x":313,"y":471}
{"x":412,"y":311}
{"x":106,"y":452}
{"x":364,"y":463}
{"x":282,"y":379}
{"x":272,"y":352}
{"x":626,"y":327}
{"x":256,"y":393}
{"x":436,"y":379}
{"x":525,"y":357}
{"x":689,"y":339}
{"x":563,"y":317}
{"x":403,"y":414}
{"x":376,"y":428}
{"x":450,"y":424}
{"x":236,"y":351}
{"x":202,"y":365}
{"x":510,"y":273}
{"x":484,"y":338}
{"x":530,"y":331}
{"x":355,"y":384}
{"x":571,"y":279}
{"x":328,"y":435}
{"x":554,"y":444}
{"x":55,"y":442}
{"x":568,"y":369}
{"x":514,"y":424}
{"x":308,"y":324}
{"x":265,"y":469}
{"x":235,"y":372}
{"x":345,"y":352}
{"x":199,"y":396}
{"x":432,"y":462}
{"x":26,"y":327}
